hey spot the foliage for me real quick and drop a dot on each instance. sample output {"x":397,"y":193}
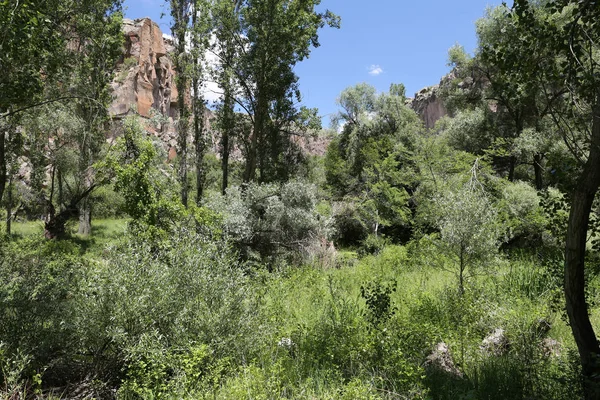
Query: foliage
{"x":468,"y":231}
{"x":370,"y":162}
{"x":140,"y":178}
{"x":243,"y":294}
{"x":269,"y":221}
{"x":522,"y":211}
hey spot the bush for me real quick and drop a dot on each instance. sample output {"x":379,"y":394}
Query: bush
{"x":40,"y":296}
{"x":148,"y":304}
{"x":372,"y":245}
{"x":524,"y":217}
{"x":348,"y":227}
{"x":270,"y":222}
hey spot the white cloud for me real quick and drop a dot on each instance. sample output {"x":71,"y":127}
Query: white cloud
{"x":375,"y":70}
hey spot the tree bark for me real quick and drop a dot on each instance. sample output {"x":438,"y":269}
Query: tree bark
{"x":85,"y":218}
{"x":183,"y":169}
{"x":181,"y":19}
{"x":251,"y":159}
{"x":199,"y":123}
{"x":2,"y":163}
{"x":199,"y":146}
{"x":539,"y":172}
{"x":577,"y":230}
{"x":9,"y":205}
{"x":512,"y":162}
{"x":225,"y":162}
{"x":55,"y":226}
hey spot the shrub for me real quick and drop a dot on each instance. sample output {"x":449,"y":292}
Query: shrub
{"x":523,"y":215}
{"x":372,"y":245}
{"x":348,"y":227}
{"x":468,"y":230}
{"x":40,"y":296}
{"x":267,"y":222}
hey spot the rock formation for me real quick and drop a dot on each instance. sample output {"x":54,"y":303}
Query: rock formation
{"x":429,"y":106}
{"x":145,"y":83}
{"x":146,"y":77}
{"x":428,"y":102}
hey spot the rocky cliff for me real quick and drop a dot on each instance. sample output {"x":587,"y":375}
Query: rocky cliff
{"x":146,"y":78}
{"x":429,"y":106}
{"x":428,"y":102}
{"x":145,"y":82}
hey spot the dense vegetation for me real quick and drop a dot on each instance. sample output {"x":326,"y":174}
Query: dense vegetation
{"x":458,"y":262}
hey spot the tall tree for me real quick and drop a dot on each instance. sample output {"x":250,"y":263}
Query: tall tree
{"x":59,"y":51}
{"x":98,"y":43}
{"x":228,"y":35}
{"x":200,"y":34}
{"x":276,"y":35}
{"x":32,"y":44}
{"x":570,"y":30}
{"x":180,"y":11}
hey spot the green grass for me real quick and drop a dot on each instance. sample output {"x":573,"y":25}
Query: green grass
{"x":341,"y":352}
{"x":103,"y":229}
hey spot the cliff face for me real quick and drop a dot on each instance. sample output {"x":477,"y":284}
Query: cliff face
{"x":429,"y":106}
{"x":146,"y":77}
{"x":145,"y":83}
{"x":428,"y":102}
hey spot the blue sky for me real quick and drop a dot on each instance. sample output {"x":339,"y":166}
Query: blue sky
{"x":380,"y":42}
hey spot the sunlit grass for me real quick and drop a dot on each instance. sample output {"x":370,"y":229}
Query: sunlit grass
{"x":103,"y":230}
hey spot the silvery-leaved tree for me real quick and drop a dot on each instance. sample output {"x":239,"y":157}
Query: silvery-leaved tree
{"x":469,"y":230}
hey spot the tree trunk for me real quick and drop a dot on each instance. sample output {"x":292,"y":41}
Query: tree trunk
{"x":183,"y":170}
{"x":2,"y":163}
{"x":85,"y":218}
{"x":512,"y":162}
{"x":61,"y":193}
{"x":259,"y":119}
{"x":9,"y":205}
{"x":199,"y":143}
{"x":577,"y":230}
{"x":228,"y":126}
{"x":181,"y":20}
{"x":198,"y":109}
{"x":225,"y":162}
{"x":55,"y":226}
{"x":539,"y":172}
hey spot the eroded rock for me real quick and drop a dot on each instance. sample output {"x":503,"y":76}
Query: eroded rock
{"x":495,"y":343}
{"x":146,"y":78}
{"x":440,"y":361}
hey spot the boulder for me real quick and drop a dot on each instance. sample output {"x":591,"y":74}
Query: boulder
{"x":551,"y":347}
{"x":440,"y":361}
{"x":496,"y":343}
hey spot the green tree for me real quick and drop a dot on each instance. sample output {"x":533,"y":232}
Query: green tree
{"x":568,"y":29}
{"x":180,"y":12}
{"x":468,"y":231}
{"x":495,"y":104}
{"x":134,"y":165}
{"x":227,"y":33}
{"x":370,"y":161}
{"x":58,"y":51}
{"x":275,"y":36}
{"x":36,"y":40}
{"x":200,"y":34}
